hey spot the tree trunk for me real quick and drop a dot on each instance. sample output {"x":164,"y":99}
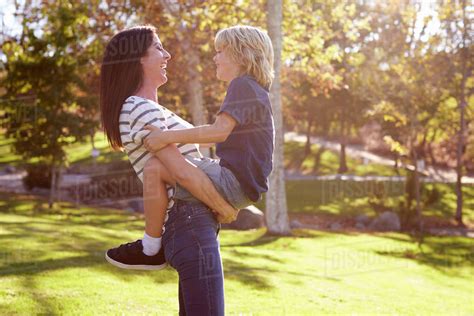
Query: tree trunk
{"x":396,"y":159}
{"x":317,"y":158}
{"x":276,"y":213}
{"x":342,"y":154}
{"x":195,"y":89}
{"x":93,"y":152}
{"x":417,"y":192}
{"x":462,"y":124}
{"x":52,"y":191}
{"x":194,"y":84}
{"x":307,"y":147}
{"x":459,"y":167}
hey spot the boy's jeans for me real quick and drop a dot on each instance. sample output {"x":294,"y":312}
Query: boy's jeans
{"x":192,"y":248}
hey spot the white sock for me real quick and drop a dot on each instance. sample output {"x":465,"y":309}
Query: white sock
{"x":151,"y":245}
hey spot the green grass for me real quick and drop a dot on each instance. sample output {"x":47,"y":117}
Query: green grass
{"x":51,"y":262}
{"x":6,"y":154}
{"x":79,"y":153}
{"x":350,"y":198}
{"x":329,"y":163}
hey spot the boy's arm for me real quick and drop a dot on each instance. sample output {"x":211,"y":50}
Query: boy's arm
{"x":215,"y":133}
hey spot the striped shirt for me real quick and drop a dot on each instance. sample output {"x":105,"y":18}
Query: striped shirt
{"x":137,"y":112}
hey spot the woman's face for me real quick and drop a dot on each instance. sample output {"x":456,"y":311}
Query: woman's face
{"x":226,"y":68}
{"x":154,"y":62}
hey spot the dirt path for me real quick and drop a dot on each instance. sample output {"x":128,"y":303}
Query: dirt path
{"x":435,"y":174}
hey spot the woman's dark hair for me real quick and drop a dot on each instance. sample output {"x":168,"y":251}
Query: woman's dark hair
{"x":121,"y":75}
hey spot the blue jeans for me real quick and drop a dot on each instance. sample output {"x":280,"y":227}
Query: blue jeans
{"x":192,"y":248}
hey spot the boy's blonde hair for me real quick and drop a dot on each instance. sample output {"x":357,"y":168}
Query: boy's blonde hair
{"x":251,"y":48}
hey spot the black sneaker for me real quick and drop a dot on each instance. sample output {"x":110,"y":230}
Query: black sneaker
{"x":130,"y":256}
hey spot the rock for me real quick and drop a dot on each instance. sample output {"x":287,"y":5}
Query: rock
{"x":362,"y":219}
{"x":360,"y":226}
{"x":387,"y":221}
{"x":249,"y":218}
{"x":296,"y":224}
{"x":335,"y":226}
{"x":10,"y":169}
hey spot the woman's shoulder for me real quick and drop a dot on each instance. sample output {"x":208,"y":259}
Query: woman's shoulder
{"x":135,"y":100}
{"x":135,"y":105}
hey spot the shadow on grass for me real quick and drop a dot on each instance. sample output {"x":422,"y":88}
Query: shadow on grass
{"x":266,"y":239}
{"x":245,"y":270}
{"x":17,"y":266}
{"x":255,"y":277}
{"x":44,"y":303}
{"x":31,"y":248}
{"x":445,"y":254}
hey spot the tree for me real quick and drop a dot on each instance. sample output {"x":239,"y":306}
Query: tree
{"x":410,"y":86}
{"x":324,"y":42}
{"x":457,"y":23}
{"x":276,"y":213}
{"x":306,"y":104}
{"x":43,"y":86}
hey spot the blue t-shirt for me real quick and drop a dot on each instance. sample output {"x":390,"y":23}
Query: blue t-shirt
{"x":248,"y":151}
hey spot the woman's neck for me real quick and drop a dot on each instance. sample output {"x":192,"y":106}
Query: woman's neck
{"x":148,"y":92}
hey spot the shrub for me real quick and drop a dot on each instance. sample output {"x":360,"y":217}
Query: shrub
{"x":37,"y":176}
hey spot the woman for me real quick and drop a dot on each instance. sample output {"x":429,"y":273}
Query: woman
{"x":133,"y":69}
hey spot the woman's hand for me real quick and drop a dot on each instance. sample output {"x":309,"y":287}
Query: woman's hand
{"x":155,"y":141}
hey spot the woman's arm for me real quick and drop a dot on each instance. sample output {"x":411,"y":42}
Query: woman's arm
{"x":196,"y":182}
{"x":193,"y":179}
{"x":215,"y":133}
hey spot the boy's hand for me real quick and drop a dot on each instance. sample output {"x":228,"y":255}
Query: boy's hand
{"x":226,"y":217}
{"x":155,"y":140}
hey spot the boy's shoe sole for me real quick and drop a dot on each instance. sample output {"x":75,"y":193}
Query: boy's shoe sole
{"x":130,"y":256}
{"x":135,"y":266}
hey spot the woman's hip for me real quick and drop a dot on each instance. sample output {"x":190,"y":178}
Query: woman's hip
{"x":190,"y":227}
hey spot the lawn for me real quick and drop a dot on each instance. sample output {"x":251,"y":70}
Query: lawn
{"x":6,"y":155}
{"x":351,"y":198}
{"x":51,"y":262}
{"x":329,"y":162}
{"x":76,"y":153}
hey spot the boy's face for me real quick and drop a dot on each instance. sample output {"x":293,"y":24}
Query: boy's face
{"x":226,"y":68}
